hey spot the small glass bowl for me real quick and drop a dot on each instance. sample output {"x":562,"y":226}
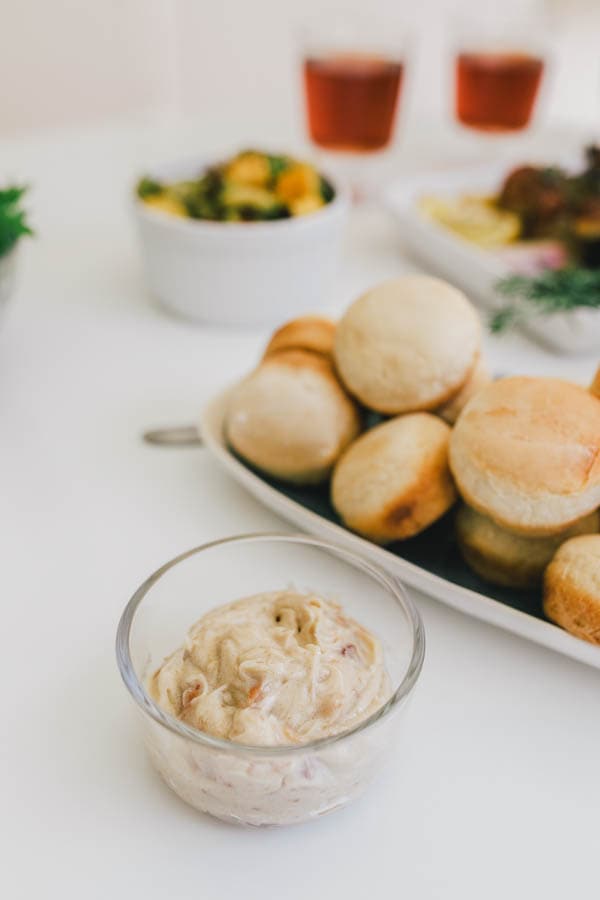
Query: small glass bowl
{"x":266,"y":785}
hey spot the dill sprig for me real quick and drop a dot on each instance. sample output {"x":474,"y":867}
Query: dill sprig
{"x":553,"y":291}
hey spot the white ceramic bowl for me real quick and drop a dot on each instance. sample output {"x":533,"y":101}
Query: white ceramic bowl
{"x":577,"y":331}
{"x":476,"y":270}
{"x":240,"y":273}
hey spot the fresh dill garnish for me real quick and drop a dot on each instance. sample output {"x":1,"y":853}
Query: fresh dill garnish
{"x":553,"y":291}
{"x":13,"y":218}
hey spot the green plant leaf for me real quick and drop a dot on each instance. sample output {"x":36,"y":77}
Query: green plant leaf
{"x":13,"y":218}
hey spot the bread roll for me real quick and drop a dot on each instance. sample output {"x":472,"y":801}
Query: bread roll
{"x":313,"y":333}
{"x":595,"y":385}
{"x":394,"y":480}
{"x":526,"y":452}
{"x":477,"y":379}
{"x":572,"y":587}
{"x":291,"y":417}
{"x":509,"y":559}
{"x":408,"y":344}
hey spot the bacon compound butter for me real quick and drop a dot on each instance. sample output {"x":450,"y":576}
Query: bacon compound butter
{"x":274,"y":669}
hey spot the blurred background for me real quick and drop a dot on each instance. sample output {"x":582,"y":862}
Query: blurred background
{"x":234,"y":66}
{"x":98,"y":94}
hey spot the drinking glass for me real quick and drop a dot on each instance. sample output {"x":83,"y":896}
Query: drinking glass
{"x":353,"y":81}
{"x":498,"y":69}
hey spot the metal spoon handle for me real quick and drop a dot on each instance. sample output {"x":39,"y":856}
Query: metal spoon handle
{"x":178,"y":436}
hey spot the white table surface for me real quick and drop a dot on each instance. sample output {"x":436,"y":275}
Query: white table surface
{"x":495,"y":792}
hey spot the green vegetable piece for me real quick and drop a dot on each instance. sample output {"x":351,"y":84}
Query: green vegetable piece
{"x":503,"y":320}
{"x":277,"y":165}
{"x":148,"y":187}
{"x":327,"y":192}
{"x":278,"y":211}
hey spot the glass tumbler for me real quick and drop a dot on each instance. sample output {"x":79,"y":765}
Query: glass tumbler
{"x":275,"y":785}
{"x":353,"y":75}
{"x":499,"y":66}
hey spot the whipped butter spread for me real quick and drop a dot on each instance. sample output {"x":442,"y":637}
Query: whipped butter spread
{"x":273,"y":669}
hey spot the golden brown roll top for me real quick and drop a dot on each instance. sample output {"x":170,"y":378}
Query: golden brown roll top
{"x":394,"y":480}
{"x":572,"y":587}
{"x":408,"y":344}
{"x":313,"y":333}
{"x":526,"y":452}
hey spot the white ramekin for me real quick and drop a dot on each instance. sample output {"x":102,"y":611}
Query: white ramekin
{"x":240,"y":273}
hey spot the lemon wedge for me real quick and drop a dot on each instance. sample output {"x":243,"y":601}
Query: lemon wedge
{"x":474,"y":218}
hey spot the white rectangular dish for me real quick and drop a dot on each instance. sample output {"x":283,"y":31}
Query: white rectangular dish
{"x":421,"y":563}
{"x":472,"y":268}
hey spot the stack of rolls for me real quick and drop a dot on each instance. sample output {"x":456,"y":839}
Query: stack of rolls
{"x":409,"y":350}
{"x":522,"y":454}
{"x":291,"y":417}
{"x":572,"y":587}
{"x":507,"y":558}
{"x":525,"y":455}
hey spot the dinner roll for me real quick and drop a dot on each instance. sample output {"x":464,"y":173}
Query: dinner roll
{"x":572,"y":587}
{"x":291,"y":417}
{"x":595,"y":385}
{"x":313,"y":333}
{"x":509,"y":559}
{"x":407,"y":345}
{"x":526,"y":452}
{"x":478,"y":378}
{"x":394,"y":480}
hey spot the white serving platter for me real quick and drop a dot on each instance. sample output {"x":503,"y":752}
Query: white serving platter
{"x":471,"y":602}
{"x":470,"y":267}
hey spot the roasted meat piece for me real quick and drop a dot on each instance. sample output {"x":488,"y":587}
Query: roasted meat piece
{"x":539,"y":196}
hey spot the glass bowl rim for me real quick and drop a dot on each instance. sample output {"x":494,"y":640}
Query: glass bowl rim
{"x":149,"y":707}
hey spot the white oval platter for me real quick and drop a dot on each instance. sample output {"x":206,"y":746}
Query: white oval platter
{"x":455,"y":595}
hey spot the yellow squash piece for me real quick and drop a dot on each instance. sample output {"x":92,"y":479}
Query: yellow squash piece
{"x":307,"y":204}
{"x":166,"y":203}
{"x":237,"y":195}
{"x":297,"y":181}
{"x":249,"y":168}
